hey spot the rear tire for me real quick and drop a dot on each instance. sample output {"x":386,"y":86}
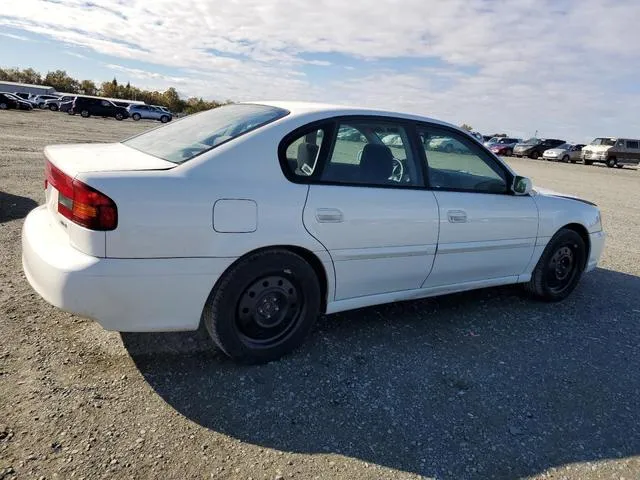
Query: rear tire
{"x":53,"y":107}
{"x":263,"y":307}
{"x":164,"y":119}
{"x":84,"y":114}
{"x":4,"y":106}
{"x":565,"y":159}
{"x":119,"y":116}
{"x":136,"y":116}
{"x":535,"y":155}
{"x":560,"y":267}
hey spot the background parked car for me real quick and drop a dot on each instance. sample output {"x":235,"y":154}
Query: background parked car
{"x":535,"y":147}
{"x":40,"y":100}
{"x":613,"y":151}
{"x":66,"y":106}
{"x":504,"y":146}
{"x":149,"y":112}
{"x":9,"y":100}
{"x":87,"y":106}
{"x":53,"y":104}
{"x":445,"y":144}
{"x":567,"y":152}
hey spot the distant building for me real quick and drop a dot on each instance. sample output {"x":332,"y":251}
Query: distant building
{"x":15,"y":87}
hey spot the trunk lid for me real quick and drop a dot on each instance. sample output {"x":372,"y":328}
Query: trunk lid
{"x":101,"y":157}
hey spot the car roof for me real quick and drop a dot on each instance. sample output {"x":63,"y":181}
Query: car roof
{"x":299,"y":108}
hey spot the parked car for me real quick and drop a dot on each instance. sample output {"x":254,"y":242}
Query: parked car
{"x":99,"y":107}
{"x":535,"y":147}
{"x":504,"y":146}
{"x":23,"y":96}
{"x":53,"y":104}
{"x":612,"y":151}
{"x":567,"y":152}
{"x":40,"y":100}
{"x":66,"y":106}
{"x":243,"y":219}
{"x":446,"y":144}
{"x":9,"y":100}
{"x":149,"y":112}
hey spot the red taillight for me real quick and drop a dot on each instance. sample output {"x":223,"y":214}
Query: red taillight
{"x":81,"y":203}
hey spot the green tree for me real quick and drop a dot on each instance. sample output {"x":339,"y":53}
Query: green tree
{"x":466,"y":127}
{"x":61,"y":81}
{"x":88,"y":87}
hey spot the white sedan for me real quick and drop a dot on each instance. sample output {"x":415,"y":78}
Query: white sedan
{"x":255,"y":218}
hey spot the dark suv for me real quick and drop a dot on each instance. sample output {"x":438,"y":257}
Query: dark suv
{"x":98,"y":107}
{"x":535,"y":147}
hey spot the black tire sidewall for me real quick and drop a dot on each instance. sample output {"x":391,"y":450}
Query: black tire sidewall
{"x":219,"y":315}
{"x":535,"y":155}
{"x":136,"y":116}
{"x":559,"y":239}
{"x":164,"y":119}
{"x":611,"y":162}
{"x":84,"y":114}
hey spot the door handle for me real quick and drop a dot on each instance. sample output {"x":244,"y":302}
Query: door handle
{"x":329,"y":215}
{"x":457,"y":216}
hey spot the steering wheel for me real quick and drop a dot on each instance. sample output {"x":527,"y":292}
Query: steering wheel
{"x":398,"y":171}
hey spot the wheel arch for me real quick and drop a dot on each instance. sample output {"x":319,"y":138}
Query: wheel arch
{"x":310,"y":257}
{"x":584,"y":234}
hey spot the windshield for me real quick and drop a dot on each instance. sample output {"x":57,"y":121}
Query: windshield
{"x":604,"y":141}
{"x":180,"y":141}
{"x":532,"y":141}
{"x":564,"y":146}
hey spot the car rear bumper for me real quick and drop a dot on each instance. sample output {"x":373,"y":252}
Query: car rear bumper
{"x":597,"y":241}
{"x":127,"y":295}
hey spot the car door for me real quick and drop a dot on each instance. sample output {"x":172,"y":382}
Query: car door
{"x":367,"y":204}
{"x":486,"y":232}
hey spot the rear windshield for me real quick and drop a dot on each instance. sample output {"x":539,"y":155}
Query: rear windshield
{"x":182,"y":140}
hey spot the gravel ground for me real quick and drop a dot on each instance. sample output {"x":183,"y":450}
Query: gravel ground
{"x":480,"y":385}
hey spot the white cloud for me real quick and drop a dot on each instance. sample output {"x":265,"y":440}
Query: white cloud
{"x":15,"y":37}
{"x":553,"y":65}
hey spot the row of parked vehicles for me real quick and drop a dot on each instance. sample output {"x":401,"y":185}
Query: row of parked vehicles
{"x":86,"y":106}
{"x":612,"y":151}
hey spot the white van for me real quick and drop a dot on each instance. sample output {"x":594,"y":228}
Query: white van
{"x":613,"y":151}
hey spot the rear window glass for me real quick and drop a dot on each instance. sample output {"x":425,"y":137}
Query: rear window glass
{"x":190,"y":136}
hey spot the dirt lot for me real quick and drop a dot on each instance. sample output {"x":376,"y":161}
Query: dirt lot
{"x":479,"y":385}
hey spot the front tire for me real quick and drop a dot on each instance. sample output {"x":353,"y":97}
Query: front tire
{"x":84,"y":114}
{"x":560,"y":267}
{"x":263,"y":307}
{"x":612,"y":162}
{"x":119,"y":116}
{"x":136,"y":116}
{"x":4,"y":106}
{"x":565,"y":159}
{"x":164,"y":119}
{"x":53,"y":107}
{"x":534,"y":155}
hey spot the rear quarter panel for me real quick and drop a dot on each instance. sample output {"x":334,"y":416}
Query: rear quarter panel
{"x":169,"y":213}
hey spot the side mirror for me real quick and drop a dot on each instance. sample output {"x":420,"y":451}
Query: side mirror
{"x":522,"y":185}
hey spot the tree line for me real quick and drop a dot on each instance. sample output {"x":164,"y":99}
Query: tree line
{"x":62,"y":82}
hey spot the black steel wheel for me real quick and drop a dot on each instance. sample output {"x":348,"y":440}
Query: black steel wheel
{"x":264,"y":306}
{"x":560,"y":266}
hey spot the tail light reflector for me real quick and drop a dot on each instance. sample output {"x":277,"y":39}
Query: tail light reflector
{"x":80,"y":203}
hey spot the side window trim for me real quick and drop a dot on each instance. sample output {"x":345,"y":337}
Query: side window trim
{"x":482,"y":153}
{"x":328,"y":127}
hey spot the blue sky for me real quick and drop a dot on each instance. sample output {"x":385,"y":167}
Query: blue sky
{"x":567,"y":68}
